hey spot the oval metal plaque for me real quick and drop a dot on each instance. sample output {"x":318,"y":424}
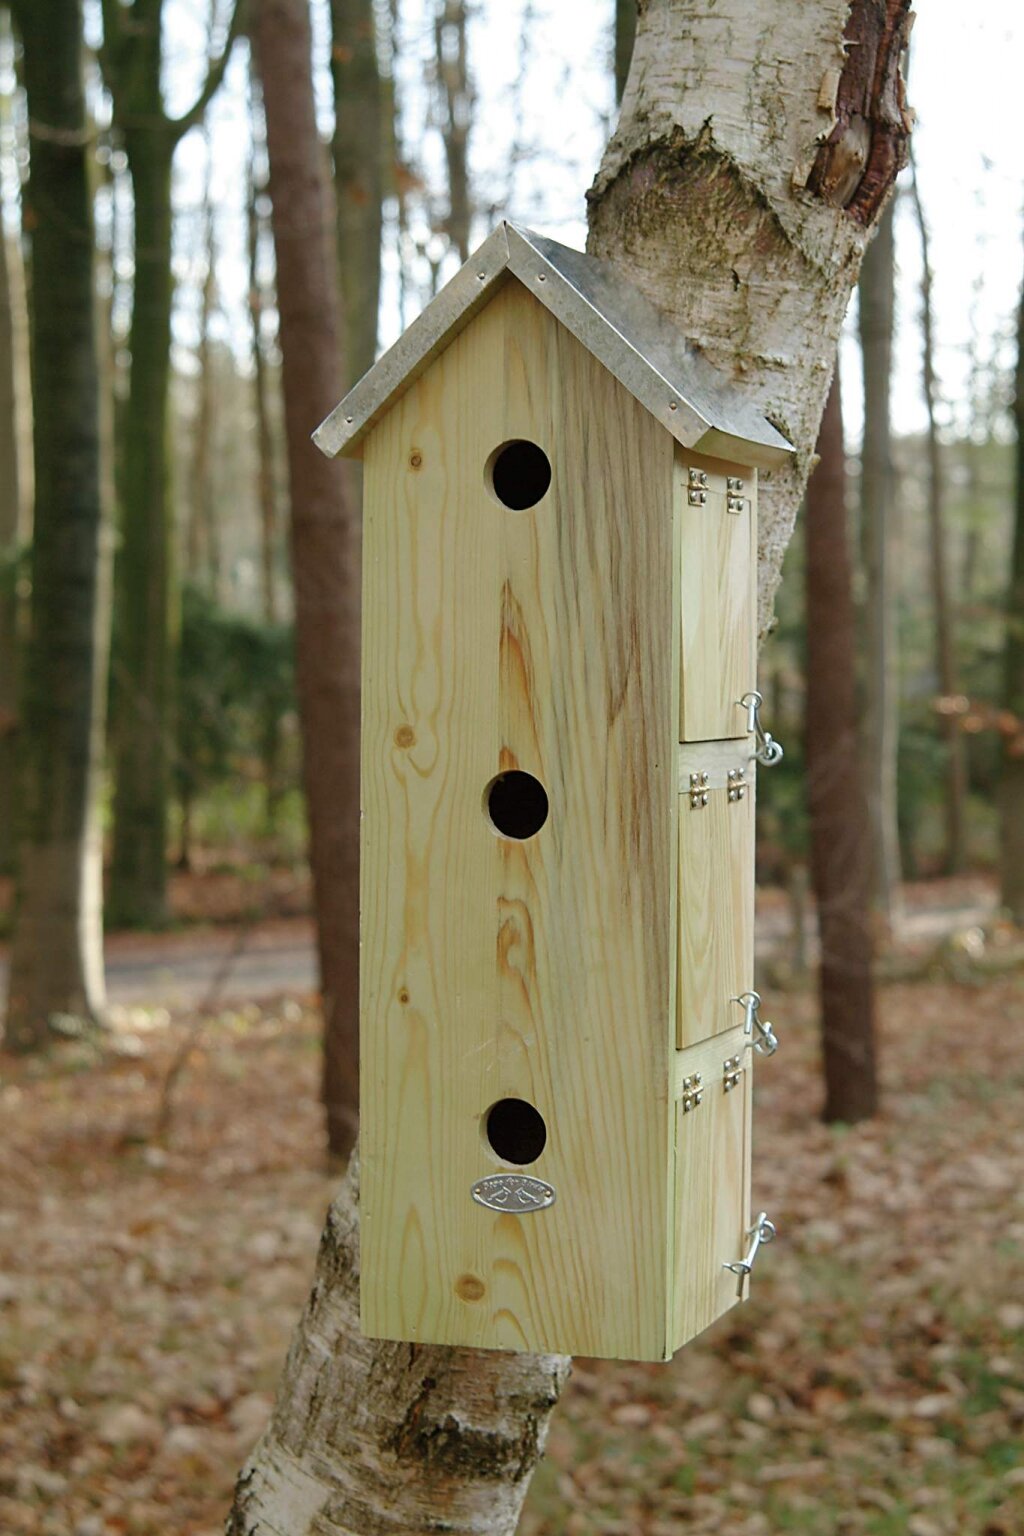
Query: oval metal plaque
{"x":515,"y":1192}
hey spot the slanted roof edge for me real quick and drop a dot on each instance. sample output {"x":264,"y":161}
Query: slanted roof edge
{"x":442,"y":319}
{"x":606,"y":314}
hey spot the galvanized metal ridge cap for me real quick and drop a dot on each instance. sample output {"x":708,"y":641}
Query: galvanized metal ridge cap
{"x":588,"y":296}
{"x":660,"y":349}
{"x":418,"y":343}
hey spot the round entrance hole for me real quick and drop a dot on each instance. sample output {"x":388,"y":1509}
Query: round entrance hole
{"x":516,"y":1131}
{"x":517,"y":804}
{"x":519,"y":474}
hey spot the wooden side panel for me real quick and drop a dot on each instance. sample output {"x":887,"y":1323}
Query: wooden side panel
{"x":716,"y":894}
{"x":713,"y":1149}
{"x":541,"y":640}
{"x":718,"y":600}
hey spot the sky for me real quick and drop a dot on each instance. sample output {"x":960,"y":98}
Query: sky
{"x":541,"y":71}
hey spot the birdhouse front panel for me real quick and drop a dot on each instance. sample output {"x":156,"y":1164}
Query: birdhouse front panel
{"x":519,"y":851}
{"x":559,"y":739}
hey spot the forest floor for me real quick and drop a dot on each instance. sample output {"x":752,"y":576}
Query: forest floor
{"x":874,"y":1386}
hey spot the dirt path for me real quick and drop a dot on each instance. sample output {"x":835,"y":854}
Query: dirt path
{"x":178,"y":970}
{"x":278,"y":958}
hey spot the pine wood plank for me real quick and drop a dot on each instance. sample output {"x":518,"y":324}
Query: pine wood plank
{"x":543,"y":640}
{"x":712,"y":1184}
{"x":718,"y":607}
{"x":716,"y":903}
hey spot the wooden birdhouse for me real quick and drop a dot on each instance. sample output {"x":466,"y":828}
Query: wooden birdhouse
{"x":559,"y":742}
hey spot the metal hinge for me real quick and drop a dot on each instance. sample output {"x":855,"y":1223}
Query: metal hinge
{"x":737,"y":785}
{"x":699,"y":791}
{"x":697,"y":493}
{"x":693,"y":1092}
{"x":763,"y":1231}
{"x":734,"y":502}
{"x":732,"y":1071}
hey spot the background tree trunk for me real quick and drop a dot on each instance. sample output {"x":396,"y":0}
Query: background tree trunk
{"x":266,"y":473}
{"x":132,"y":58}
{"x":955,"y":852}
{"x":266,"y":457}
{"x":1011,"y":787}
{"x":11,"y":534}
{"x":202,"y":533}
{"x":840,"y":826}
{"x":358,"y":177}
{"x":57,"y":950}
{"x":878,"y":536}
{"x":371,"y":1436}
{"x":625,"y":33}
{"x":325,"y":538}
{"x":456,"y":107}
{"x":15,"y":491}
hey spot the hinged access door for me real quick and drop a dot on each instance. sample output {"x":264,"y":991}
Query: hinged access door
{"x":712,"y":1198}
{"x":716,"y":887}
{"x":718,"y":600}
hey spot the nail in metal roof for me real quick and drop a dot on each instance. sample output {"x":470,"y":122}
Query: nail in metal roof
{"x":607,"y":315}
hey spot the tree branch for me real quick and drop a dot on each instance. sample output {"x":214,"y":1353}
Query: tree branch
{"x":179,"y":126}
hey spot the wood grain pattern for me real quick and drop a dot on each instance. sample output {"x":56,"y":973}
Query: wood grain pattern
{"x":542,"y":640}
{"x":712,"y":1177}
{"x":718,"y":601}
{"x":716,"y":906}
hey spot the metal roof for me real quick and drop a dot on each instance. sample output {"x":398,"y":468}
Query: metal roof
{"x":606,"y":314}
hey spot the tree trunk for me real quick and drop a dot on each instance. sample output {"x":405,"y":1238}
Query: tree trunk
{"x":743,"y":209}
{"x":945,"y":644}
{"x":358,"y":177}
{"x":324,"y":538}
{"x":143,"y":727}
{"x":15,"y":489}
{"x":57,"y":950}
{"x":11,"y":534}
{"x":456,"y":101}
{"x":625,"y":32}
{"x":266,"y":475}
{"x":1011,"y":786}
{"x":878,"y":537}
{"x":132,"y":58}
{"x":840,"y":826}
{"x":376,"y":1437}
{"x":202,"y":540}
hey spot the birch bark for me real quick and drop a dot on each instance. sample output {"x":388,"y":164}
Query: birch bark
{"x":754,"y":152}
{"x":753,"y":155}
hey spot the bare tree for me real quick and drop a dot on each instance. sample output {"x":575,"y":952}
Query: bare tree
{"x":266,"y":472}
{"x":840,"y":826}
{"x":1011,"y":787}
{"x":456,"y":109}
{"x":368,"y":1435}
{"x":324,"y":536}
{"x":358,"y":145}
{"x":132,"y":56}
{"x":876,"y":305}
{"x":57,"y":951}
{"x":13,"y":529}
{"x":202,"y":534}
{"x":945,"y":642}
